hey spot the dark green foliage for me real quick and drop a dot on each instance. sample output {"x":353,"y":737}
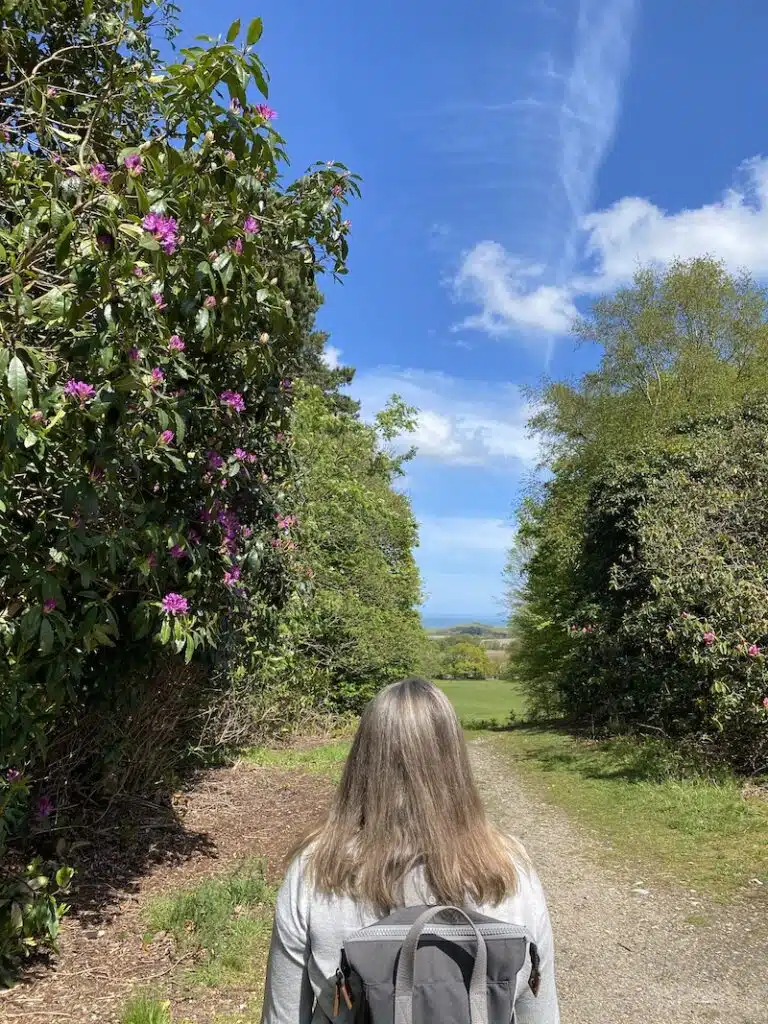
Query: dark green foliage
{"x":643,"y":559}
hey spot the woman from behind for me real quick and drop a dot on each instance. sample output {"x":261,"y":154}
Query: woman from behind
{"x":406,"y":827}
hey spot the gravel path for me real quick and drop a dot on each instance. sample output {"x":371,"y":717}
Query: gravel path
{"x":626,"y":953}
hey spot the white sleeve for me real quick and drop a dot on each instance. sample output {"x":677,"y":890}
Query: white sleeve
{"x":288,"y":994}
{"x":542,"y":1008}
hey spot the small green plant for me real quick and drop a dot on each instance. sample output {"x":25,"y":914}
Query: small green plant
{"x":144,"y":1009}
{"x":326,"y":759}
{"x":30,"y":915}
{"x":227,"y":920}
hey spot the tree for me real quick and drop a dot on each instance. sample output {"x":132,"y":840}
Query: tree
{"x":679,"y":347}
{"x":465,"y":660}
{"x":355,"y":535}
{"x":150,"y":253}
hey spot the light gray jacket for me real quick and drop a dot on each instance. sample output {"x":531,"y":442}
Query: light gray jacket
{"x":310,"y":930}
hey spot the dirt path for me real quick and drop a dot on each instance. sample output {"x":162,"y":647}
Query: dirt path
{"x":625,"y":952}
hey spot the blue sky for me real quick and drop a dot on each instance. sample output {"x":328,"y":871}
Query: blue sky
{"x":519,"y":157}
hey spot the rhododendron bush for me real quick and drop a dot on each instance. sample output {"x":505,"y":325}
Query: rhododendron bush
{"x":148,"y":248}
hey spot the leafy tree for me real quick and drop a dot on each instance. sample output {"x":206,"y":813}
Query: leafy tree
{"x":150,"y":255}
{"x":680,"y":346}
{"x":355,"y":535}
{"x":465,"y":660}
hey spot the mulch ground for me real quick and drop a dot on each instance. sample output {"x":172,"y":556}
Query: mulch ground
{"x":228,"y":814}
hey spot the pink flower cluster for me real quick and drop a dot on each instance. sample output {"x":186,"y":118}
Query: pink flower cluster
{"x":266,"y":112}
{"x":100,"y":173}
{"x":133,"y":164}
{"x":175,"y":604}
{"x":164,"y":229}
{"x":233,"y":399}
{"x":80,"y":390}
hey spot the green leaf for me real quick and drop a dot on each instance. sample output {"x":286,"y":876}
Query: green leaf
{"x":234,"y":31}
{"x":63,"y":242}
{"x":254,"y":31}
{"x":202,"y":319}
{"x":260,"y":80}
{"x":17,"y":380}
{"x":46,"y":637}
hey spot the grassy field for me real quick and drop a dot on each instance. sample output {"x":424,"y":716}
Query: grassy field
{"x":483,"y":700}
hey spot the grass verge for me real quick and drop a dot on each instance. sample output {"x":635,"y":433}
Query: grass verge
{"x":225,"y":922}
{"x":323,"y":759}
{"x":655,"y":809}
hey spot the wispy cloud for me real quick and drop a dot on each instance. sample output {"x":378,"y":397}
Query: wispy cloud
{"x":522,"y":291}
{"x":462,"y":422}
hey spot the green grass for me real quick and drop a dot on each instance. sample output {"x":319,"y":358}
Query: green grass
{"x":143,"y":1009}
{"x":657,"y":811}
{"x":483,"y":700}
{"x":226,"y":920}
{"x":324,"y":759}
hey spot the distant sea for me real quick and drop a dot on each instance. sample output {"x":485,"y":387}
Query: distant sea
{"x":444,"y":621}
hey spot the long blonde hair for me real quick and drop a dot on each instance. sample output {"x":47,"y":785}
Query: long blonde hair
{"x":407,"y":797}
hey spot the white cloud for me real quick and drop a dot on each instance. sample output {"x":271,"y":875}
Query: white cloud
{"x":513,"y":291}
{"x":501,"y":285}
{"x":332,"y":357}
{"x":633,"y":232}
{"x":459,"y":421}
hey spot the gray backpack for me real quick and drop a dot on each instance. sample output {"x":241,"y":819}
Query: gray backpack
{"x":429,"y":965}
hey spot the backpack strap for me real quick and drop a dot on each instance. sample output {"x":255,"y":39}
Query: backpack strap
{"x":406,"y":970}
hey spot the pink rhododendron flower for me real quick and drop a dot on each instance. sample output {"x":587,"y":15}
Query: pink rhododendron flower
{"x":753,"y":650}
{"x":100,"y":173}
{"x":708,"y":638}
{"x":164,"y":229}
{"x":266,"y":112}
{"x":176,"y":344}
{"x":45,"y":807}
{"x":134,"y":164}
{"x":167,"y":437}
{"x":233,"y":399}
{"x":80,"y":390}
{"x":251,"y":226}
{"x":157,"y":375}
{"x":175,"y":604}
{"x":49,"y":605}
{"x":231,"y":577}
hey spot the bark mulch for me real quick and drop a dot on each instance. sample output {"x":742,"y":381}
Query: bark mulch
{"x":226,"y":815}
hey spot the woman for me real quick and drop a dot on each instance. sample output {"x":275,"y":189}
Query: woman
{"x":405,"y":827}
